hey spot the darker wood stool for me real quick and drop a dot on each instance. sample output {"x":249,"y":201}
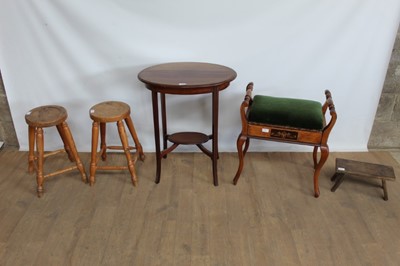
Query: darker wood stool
{"x":118,"y":112}
{"x":49,"y":116}
{"x":296,"y":121}
{"x":361,"y":169}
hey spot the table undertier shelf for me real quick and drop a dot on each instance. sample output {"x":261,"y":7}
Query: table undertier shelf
{"x":188,"y":138}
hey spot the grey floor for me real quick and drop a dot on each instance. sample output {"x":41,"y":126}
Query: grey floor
{"x":396,"y":155}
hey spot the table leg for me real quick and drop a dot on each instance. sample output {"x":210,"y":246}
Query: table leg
{"x":156,"y":134}
{"x":215,"y":134}
{"x":164,"y":122}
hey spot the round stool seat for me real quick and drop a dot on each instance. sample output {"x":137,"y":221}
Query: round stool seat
{"x":46,"y":116}
{"x":110,"y":111}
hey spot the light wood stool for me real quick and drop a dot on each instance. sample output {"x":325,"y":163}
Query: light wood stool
{"x":112,"y":111}
{"x":48,"y":116}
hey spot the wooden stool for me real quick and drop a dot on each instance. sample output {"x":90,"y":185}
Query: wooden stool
{"x":101,"y":114}
{"x":48,"y":116}
{"x":362,"y":169}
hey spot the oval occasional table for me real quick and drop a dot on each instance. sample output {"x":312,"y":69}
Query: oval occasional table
{"x":185,"y":78}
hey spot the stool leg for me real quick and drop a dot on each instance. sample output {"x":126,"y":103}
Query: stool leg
{"x":125,"y":145}
{"x":315,"y":152}
{"x":246,"y":146}
{"x":64,"y":140}
{"x":322,"y":160}
{"x":333,"y":178}
{"x":132,"y":130}
{"x":93,"y":158}
{"x":40,"y":158}
{"x":103,"y":145}
{"x":72,"y":147}
{"x":240,"y":141}
{"x":339,"y":177}
{"x":31,"y":154}
{"x":385,"y":193}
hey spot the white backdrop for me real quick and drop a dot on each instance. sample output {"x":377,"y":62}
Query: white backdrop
{"x":78,"y":53}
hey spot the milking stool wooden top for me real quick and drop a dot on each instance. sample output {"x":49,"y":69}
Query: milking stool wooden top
{"x":113,"y":111}
{"x":48,"y":116}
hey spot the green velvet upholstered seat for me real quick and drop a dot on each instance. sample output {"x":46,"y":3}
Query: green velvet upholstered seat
{"x":286,"y":112}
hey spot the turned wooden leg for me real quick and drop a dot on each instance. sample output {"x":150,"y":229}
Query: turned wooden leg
{"x":132,"y":130}
{"x":71,"y":144}
{"x":324,"y":157}
{"x":125,"y":145}
{"x":240,"y":141}
{"x":40,"y":158}
{"x":66,"y":146}
{"x":103,"y":145}
{"x":93,"y":158}
{"x":31,"y":154}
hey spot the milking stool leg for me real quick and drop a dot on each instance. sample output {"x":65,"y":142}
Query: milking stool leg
{"x":93,"y":157}
{"x":71,"y":144}
{"x":40,"y":158}
{"x":103,"y":145}
{"x":31,"y":154}
{"x":125,"y":145}
{"x":132,"y":130}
